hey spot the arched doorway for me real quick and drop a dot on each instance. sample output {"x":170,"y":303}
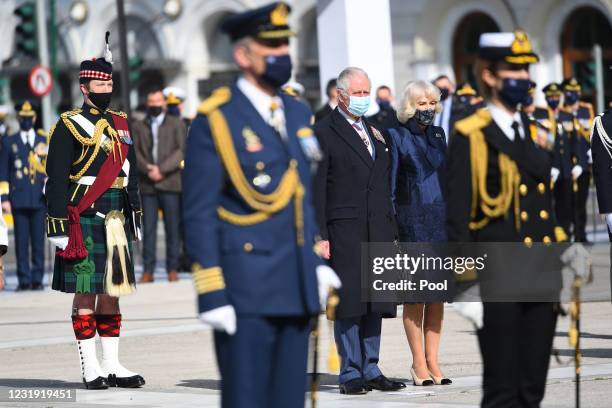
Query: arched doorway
{"x":582,"y":29}
{"x":465,"y":43}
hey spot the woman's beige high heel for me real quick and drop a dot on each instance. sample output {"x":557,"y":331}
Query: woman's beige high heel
{"x":440,"y":380}
{"x":420,"y":381}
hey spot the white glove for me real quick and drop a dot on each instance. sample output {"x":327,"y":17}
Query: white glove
{"x":327,"y":280}
{"x":576,"y":171}
{"x":554,"y":174}
{"x":60,"y":241}
{"x":609,"y":221}
{"x":222,"y":319}
{"x":589,"y":156}
{"x":472,"y":311}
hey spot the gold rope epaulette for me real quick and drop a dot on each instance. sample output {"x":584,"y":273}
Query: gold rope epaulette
{"x":220,"y":96}
{"x":4,"y":187}
{"x":70,"y":113}
{"x":491,"y":207}
{"x":476,"y":121}
{"x":118,"y":113}
{"x":41,"y":132}
{"x":50,"y":134}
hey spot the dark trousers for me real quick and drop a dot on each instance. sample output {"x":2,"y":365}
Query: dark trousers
{"x":263,"y":365}
{"x":170,"y":205}
{"x":30,"y":230}
{"x":515,"y":343}
{"x":564,"y":200}
{"x":580,"y":202}
{"x":358,"y":341}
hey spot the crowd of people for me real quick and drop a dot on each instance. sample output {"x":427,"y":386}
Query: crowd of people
{"x":272,"y":209}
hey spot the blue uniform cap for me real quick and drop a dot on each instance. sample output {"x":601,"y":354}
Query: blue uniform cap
{"x":265,"y":23}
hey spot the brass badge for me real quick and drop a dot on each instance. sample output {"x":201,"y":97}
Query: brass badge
{"x":18,"y":163}
{"x":15,"y":148}
{"x":18,"y":174}
{"x":251,"y":140}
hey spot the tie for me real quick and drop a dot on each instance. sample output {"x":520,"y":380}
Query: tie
{"x":517,"y":134}
{"x":364,"y":138}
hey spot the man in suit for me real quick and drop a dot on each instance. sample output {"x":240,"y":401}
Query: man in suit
{"x":447,"y":91}
{"x":22,"y":179}
{"x":386,"y":117}
{"x":249,"y":222}
{"x":3,"y":245}
{"x":332,"y":100}
{"x":353,"y":205}
{"x":160,"y":146}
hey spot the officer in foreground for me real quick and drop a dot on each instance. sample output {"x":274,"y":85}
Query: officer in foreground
{"x":249,"y":223}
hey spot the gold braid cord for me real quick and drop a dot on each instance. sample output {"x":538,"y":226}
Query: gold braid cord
{"x":491,"y":207}
{"x":264,"y":205}
{"x":87,"y":142}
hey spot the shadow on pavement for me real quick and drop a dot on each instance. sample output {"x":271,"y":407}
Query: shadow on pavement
{"x":207,"y":384}
{"x":38,"y":383}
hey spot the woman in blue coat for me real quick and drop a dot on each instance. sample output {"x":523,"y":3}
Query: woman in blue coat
{"x":418,"y":160}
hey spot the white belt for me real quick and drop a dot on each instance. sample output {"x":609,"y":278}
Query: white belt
{"x":89,"y":180}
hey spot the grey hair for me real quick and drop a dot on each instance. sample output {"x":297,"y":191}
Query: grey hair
{"x":344,"y":78}
{"x":412,"y":92}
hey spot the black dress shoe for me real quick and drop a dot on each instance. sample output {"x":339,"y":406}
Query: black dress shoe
{"x":38,"y":286}
{"x":353,"y":387}
{"x":97,"y":384}
{"x":382,"y":383}
{"x":134,"y":381}
{"x":23,"y":286}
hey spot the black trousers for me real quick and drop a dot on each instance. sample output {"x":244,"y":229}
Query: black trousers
{"x":564,"y":200}
{"x":515,"y":343}
{"x":580,"y":202}
{"x":169,"y":203}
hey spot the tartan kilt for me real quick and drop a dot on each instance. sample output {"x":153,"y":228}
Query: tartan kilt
{"x":65,"y":278}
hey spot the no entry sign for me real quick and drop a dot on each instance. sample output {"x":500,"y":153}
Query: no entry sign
{"x":40,"y":80}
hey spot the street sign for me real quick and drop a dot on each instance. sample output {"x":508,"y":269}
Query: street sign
{"x":40,"y":80}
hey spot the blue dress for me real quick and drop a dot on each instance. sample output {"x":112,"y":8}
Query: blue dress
{"x":417,"y":180}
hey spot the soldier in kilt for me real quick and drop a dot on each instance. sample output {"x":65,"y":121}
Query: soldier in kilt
{"x":93,"y":215}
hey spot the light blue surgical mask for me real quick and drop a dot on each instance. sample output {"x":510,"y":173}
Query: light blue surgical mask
{"x":359,"y":105}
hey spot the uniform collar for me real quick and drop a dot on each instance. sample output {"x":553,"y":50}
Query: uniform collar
{"x":350,"y":120}
{"x":504,"y":120}
{"x":258,"y":98}
{"x":91,"y":111}
{"x":28,"y":137}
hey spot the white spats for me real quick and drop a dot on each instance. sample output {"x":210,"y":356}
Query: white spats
{"x":110,"y":358}
{"x":90,"y":368}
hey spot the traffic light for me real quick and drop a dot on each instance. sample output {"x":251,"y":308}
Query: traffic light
{"x":134,"y":65}
{"x":26,"y":29}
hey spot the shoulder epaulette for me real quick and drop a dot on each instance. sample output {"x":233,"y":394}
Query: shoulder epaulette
{"x":219,"y":97}
{"x":476,"y":121}
{"x":70,"y":113}
{"x":41,"y":132}
{"x":118,"y":113}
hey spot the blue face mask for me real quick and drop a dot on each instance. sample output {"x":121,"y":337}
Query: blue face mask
{"x":26,"y":124}
{"x":571,"y":98}
{"x":278,"y":70}
{"x":514,"y":91}
{"x":553,"y":102}
{"x":173,"y":110}
{"x":359,"y":105}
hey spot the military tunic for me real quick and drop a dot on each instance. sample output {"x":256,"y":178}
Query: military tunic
{"x":75,"y":158}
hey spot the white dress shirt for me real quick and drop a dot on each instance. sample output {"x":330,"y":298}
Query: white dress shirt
{"x":505,"y":119}
{"x":156,"y":122}
{"x":28,"y":137}
{"x":359,"y":127}
{"x":262,"y":102}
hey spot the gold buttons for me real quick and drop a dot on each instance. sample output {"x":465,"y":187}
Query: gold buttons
{"x":574,"y":160}
{"x":546,"y":239}
{"x":248,"y":247}
{"x":528,"y":242}
{"x":544,"y":214}
{"x":523,"y":189}
{"x":293,"y":163}
{"x":524,"y":216}
{"x":541,"y":188}
{"x":260,"y":165}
